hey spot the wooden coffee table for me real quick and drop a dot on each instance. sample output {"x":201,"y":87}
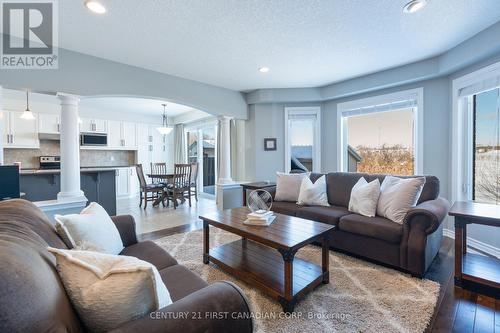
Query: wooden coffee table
{"x":264,"y":257}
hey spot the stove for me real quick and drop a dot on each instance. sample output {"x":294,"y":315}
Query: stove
{"x":50,"y":162}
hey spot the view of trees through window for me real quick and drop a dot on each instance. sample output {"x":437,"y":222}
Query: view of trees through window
{"x":381,"y":142}
{"x":486,"y":145}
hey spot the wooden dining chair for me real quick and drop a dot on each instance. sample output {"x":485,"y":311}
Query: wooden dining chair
{"x":154,"y":190}
{"x":158,"y":169}
{"x":180,"y":187}
{"x":194,"y":180}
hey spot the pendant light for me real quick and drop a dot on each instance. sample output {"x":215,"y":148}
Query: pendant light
{"x":27,"y":114}
{"x":165,"y":128}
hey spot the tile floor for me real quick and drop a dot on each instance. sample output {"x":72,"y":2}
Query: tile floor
{"x":157,"y":218}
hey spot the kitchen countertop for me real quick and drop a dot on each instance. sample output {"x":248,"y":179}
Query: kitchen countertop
{"x":82,"y":169}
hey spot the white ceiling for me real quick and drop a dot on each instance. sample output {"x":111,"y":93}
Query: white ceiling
{"x":304,"y":42}
{"x":135,"y":105}
{"x":140,"y":106}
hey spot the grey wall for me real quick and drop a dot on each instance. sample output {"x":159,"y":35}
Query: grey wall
{"x":267,"y":120}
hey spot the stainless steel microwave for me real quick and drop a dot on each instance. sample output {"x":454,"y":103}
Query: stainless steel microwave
{"x":93,"y":139}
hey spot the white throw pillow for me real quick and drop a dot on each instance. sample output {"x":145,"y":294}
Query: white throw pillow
{"x":92,"y":226}
{"x":288,"y":186}
{"x":109,"y":290}
{"x":364,"y":197}
{"x":398,"y":196}
{"x":313,"y":194}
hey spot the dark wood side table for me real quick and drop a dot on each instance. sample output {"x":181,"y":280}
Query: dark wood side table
{"x":474,"y":271}
{"x":254,"y":186}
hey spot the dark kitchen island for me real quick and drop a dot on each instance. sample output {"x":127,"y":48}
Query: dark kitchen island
{"x":98,"y":184}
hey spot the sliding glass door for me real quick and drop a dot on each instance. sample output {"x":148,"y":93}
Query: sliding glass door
{"x":202,"y":149}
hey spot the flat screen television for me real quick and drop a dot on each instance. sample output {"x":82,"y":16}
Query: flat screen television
{"x":9,"y":182}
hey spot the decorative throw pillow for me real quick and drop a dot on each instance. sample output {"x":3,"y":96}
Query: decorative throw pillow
{"x":313,"y":194}
{"x":288,"y":186}
{"x":398,"y":196}
{"x":92,"y":227}
{"x":109,"y":290}
{"x":364,"y":197}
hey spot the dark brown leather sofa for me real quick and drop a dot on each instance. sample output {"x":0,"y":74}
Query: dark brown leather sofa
{"x":33,"y":299}
{"x":411,"y":246}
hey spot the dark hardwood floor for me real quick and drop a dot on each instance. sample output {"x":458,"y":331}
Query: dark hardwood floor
{"x":457,"y":310}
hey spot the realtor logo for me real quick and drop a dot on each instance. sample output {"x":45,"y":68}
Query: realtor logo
{"x":29,"y":34}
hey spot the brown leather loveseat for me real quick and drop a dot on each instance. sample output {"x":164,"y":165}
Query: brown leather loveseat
{"x":411,"y":246}
{"x":33,"y":299}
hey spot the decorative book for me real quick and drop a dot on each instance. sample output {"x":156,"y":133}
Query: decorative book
{"x":260,"y":218}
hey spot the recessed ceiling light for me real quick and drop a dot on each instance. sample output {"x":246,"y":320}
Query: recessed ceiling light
{"x":414,"y":6}
{"x":95,"y":6}
{"x":264,"y":69}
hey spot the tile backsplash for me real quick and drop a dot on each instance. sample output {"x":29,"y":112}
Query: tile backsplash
{"x":88,"y":158}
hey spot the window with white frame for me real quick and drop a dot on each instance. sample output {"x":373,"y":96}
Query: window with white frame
{"x":381,"y":134}
{"x":476,"y":136}
{"x":302,"y":139}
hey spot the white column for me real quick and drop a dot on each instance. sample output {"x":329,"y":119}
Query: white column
{"x":70,"y":150}
{"x":2,"y":126}
{"x":224,"y":176}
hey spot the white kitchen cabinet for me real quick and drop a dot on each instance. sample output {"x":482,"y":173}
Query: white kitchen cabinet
{"x":115,"y":134}
{"x":48,"y":123}
{"x":122,"y":182}
{"x":129,"y":135}
{"x":91,"y":125}
{"x":143,"y":134}
{"x":144,"y":156}
{"x":152,"y":147}
{"x":20,"y":133}
{"x":159,"y":148}
{"x":122,"y":135}
{"x":127,"y":184}
{"x":134,"y":183}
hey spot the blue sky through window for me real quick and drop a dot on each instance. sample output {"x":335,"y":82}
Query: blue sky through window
{"x":487,"y":118}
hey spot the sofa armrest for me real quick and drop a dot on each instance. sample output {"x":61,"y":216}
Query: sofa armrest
{"x":429,"y":215}
{"x":220,"y":307}
{"x":126,"y":227}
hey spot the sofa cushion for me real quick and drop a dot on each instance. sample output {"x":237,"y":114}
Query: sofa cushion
{"x":288,"y":186}
{"x":429,"y":192}
{"x":95,"y":283}
{"x":93,"y":225}
{"x":150,"y":252}
{"x":181,"y":281}
{"x":339,"y":186}
{"x":313,"y":194}
{"x":375,"y":227}
{"x":284,"y":207}
{"x":330,"y":215}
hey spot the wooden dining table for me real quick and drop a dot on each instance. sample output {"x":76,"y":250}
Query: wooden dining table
{"x":164,"y":176}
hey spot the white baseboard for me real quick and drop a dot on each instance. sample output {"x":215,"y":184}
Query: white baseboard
{"x":491,"y":250}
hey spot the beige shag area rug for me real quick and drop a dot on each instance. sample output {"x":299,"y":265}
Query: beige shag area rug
{"x":361,"y":296}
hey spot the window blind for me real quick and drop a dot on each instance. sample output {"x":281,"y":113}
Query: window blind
{"x":410,"y":103}
{"x":481,"y":86}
